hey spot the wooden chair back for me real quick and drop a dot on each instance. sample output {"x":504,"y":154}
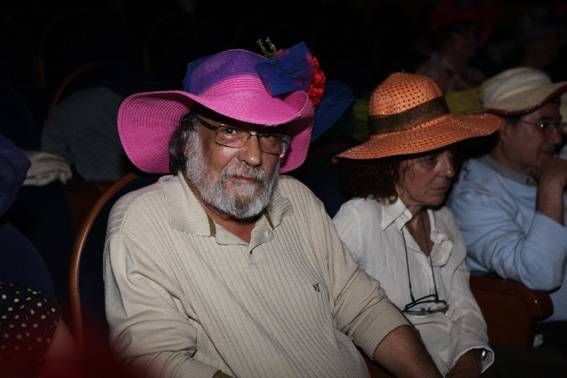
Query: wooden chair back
{"x":86,"y":286}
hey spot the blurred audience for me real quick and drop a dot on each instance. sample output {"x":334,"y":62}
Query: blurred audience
{"x":453,"y":46}
{"x":540,"y":36}
{"x":82,"y":130}
{"x":40,"y":207}
{"x":35,"y":340}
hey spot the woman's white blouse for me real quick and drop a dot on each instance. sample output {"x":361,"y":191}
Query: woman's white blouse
{"x":374,"y":233}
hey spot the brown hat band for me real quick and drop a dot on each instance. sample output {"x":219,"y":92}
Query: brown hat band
{"x":408,"y":118}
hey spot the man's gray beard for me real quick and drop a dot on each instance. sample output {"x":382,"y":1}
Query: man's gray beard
{"x":247,"y":204}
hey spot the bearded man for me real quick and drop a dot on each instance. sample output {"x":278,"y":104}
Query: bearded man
{"x":224,"y":267}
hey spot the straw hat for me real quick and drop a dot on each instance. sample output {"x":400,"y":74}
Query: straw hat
{"x":227,"y":83}
{"x":408,"y":114}
{"x":518,"y":91}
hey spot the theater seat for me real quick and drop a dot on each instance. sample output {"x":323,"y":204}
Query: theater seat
{"x":510,"y":309}
{"x":86,"y":286}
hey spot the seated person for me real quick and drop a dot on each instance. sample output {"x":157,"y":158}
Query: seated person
{"x":510,"y":203}
{"x":397,"y":228}
{"x":34,"y":338}
{"x":225,"y":267}
{"x":81,"y":128}
{"x":454,"y":44}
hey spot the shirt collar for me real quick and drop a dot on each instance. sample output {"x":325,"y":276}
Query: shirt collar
{"x":278,"y":207}
{"x":188,"y":214}
{"x":511,"y":174}
{"x":396,"y":212}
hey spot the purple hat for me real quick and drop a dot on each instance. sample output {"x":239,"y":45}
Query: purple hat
{"x":227,"y":83}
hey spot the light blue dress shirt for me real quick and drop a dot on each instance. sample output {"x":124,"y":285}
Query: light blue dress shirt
{"x":495,"y":209}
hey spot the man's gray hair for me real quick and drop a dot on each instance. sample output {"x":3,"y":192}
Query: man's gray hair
{"x":178,"y":143}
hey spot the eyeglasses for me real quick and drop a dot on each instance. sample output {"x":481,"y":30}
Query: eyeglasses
{"x":546,"y":126}
{"x":236,"y":137}
{"x":428,"y":304}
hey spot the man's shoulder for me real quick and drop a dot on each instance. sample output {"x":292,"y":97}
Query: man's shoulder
{"x":139,"y":203}
{"x":296,"y":195}
{"x":481,"y":188}
{"x":291,"y":187}
{"x":364,"y":207}
{"x":476,"y":177}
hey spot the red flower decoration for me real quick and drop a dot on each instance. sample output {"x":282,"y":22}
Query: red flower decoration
{"x":317,"y":86}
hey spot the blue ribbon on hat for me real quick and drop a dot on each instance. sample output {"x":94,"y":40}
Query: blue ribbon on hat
{"x":291,"y":70}
{"x":336,"y":100}
{"x":287,"y":71}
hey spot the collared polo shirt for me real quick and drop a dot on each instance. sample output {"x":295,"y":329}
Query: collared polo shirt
{"x":185,"y":297}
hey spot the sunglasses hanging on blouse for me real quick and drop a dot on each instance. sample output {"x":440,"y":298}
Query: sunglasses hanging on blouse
{"x":428,"y":304}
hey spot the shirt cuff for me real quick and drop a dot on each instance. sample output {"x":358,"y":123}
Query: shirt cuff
{"x":376,"y":327}
{"x":486,"y":362}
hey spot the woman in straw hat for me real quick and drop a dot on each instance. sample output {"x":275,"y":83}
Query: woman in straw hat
{"x":396,"y":226}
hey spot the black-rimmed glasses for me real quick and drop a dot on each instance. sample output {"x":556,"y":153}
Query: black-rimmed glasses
{"x":237,"y":137}
{"x":428,"y":304}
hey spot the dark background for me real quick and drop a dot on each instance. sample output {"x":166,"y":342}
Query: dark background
{"x":359,"y":41}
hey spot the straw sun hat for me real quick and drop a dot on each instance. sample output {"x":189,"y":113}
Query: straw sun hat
{"x":518,"y":91}
{"x":408,"y":115}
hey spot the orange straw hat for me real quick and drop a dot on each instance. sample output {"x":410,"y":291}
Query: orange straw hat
{"x":408,"y":115}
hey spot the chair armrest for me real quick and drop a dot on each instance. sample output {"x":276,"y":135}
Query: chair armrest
{"x":510,"y":309}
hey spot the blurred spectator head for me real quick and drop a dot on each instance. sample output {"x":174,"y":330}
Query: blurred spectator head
{"x":540,"y":35}
{"x":461,"y":36}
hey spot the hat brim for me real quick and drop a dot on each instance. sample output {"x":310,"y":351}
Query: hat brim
{"x":147,"y":120}
{"x":429,"y":136}
{"x":527,"y":101}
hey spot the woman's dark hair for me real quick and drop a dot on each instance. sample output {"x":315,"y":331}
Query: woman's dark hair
{"x":378,"y":177}
{"x":373,"y":177}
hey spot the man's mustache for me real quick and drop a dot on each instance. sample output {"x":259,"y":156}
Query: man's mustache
{"x":245,"y":171}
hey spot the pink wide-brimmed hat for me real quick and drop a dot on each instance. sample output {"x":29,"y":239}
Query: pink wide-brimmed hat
{"x":227,"y":83}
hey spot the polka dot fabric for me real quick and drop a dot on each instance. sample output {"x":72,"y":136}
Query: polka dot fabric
{"x":27,"y":324}
{"x":401,"y":92}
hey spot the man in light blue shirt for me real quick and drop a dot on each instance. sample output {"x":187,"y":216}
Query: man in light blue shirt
{"x":510,"y":204}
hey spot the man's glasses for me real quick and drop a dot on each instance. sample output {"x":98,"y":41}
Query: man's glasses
{"x":547,"y":127}
{"x":236,"y":137}
{"x":428,"y":304}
